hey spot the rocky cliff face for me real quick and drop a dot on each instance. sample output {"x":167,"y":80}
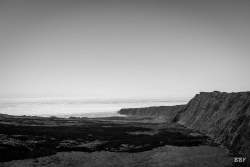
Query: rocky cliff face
{"x":223,"y":116}
{"x":166,"y":112}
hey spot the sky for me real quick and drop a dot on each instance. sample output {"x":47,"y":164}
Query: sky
{"x":123,"y":49}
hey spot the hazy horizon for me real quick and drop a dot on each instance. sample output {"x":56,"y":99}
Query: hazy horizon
{"x":76,"y":107}
{"x":123,"y":49}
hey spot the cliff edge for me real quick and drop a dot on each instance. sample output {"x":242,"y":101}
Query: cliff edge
{"x":223,"y":116}
{"x":168,"y":113}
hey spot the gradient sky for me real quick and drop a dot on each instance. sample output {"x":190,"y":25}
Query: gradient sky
{"x":123,"y":49}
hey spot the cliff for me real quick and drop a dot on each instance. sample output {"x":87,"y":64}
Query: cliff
{"x":165,"y":112}
{"x":223,"y":116}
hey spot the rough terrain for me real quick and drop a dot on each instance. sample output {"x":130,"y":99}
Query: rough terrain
{"x":208,"y":131}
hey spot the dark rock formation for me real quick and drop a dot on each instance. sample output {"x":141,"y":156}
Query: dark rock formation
{"x":223,"y":116}
{"x":31,"y":137}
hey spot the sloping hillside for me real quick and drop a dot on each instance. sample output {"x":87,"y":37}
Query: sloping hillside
{"x":223,"y":116}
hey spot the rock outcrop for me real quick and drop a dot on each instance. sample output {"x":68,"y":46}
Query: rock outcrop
{"x":165,"y":112}
{"x":223,"y":116}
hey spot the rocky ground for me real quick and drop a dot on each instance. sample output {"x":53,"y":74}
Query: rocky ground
{"x":115,"y":141}
{"x":166,"y":156}
{"x":31,"y":137}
